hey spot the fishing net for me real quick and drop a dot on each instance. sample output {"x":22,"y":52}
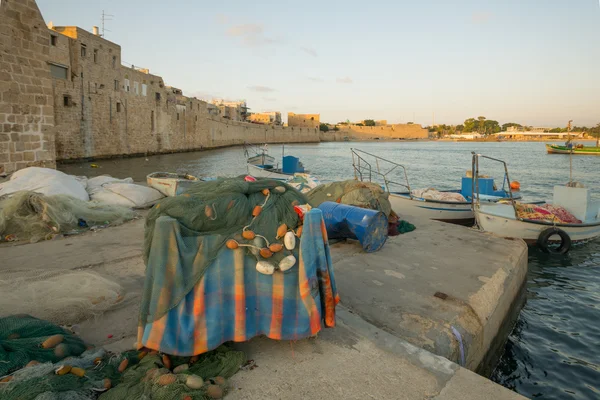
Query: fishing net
{"x":34,"y":217}
{"x":355,"y":193}
{"x":149,"y":379}
{"x":209,"y":214}
{"x":42,"y":295}
{"x":21,"y":338}
{"x":34,"y":370}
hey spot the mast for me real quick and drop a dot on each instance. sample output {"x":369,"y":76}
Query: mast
{"x":571,"y":152}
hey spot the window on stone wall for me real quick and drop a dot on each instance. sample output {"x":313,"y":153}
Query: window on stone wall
{"x":127,"y":87}
{"x":118,"y":107}
{"x":136,"y":87}
{"x":114,"y":62}
{"x":95,"y":55}
{"x":58,"y":71}
{"x":117,"y":85}
{"x":53,"y":40}
{"x":67,"y":100}
{"x":152,"y":119}
{"x":177,"y":116}
{"x":83,"y":50}
{"x":144,"y":89}
{"x":157,"y":96}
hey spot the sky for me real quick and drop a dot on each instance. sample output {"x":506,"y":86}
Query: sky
{"x":534,"y":62}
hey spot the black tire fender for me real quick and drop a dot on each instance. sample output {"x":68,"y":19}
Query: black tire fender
{"x":543,"y":241}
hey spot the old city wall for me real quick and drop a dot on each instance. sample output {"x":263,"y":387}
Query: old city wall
{"x":104,"y":109}
{"x":227,"y":133}
{"x":26,"y":106}
{"x":397,"y":131}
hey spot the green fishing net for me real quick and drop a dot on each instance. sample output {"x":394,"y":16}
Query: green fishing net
{"x":21,"y":339}
{"x":32,"y":216}
{"x":20,"y":342}
{"x":143,"y":381}
{"x":355,"y":193}
{"x":209,"y":214}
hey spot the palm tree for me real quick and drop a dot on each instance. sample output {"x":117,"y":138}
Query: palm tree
{"x":597,"y":134}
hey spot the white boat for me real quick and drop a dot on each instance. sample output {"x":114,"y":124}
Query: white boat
{"x":504,"y":219}
{"x":407,"y":202}
{"x":445,"y":211}
{"x":170,"y":184}
{"x":262,"y":165}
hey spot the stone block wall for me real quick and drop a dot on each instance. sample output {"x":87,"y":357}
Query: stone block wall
{"x":26,"y":104}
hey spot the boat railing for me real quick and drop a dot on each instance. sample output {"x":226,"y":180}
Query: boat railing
{"x":364,"y":171}
{"x":475,"y":182}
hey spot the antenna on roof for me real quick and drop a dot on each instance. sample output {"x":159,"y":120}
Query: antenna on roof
{"x":105,"y":17}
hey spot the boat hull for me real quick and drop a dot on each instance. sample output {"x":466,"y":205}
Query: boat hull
{"x":589,"y":151}
{"x":530,"y":230}
{"x":258,"y":172}
{"x":170,"y":186}
{"x":456,"y":213}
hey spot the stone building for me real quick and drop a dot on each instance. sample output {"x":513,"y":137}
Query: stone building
{"x":232,"y":110}
{"x":266,"y":118}
{"x":304,"y":120}
{"x":65,"y":95}
{"x":26,"y":92}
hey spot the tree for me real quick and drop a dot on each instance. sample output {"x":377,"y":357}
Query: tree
{"x":369,"y":122}
{"x":481,"y":124}
{"x":335,"y":128}
{"x":491,"y":127}
{"x":359,"y":124}
{"x":460,"y":128}
{"x":469,"y":125}
{"x":323,"y":127}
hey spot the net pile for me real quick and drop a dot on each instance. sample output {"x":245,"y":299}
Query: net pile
{"x":62,"y":298}
{"x":355,"y":193}
{"x":187,"y":379}
{"x":211,"y":213}
{"x":21,"y":338}
{"x":32,"y":216}
{"x":65,"y":370}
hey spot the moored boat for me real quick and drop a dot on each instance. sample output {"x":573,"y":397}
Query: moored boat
{"x":262,"y":165}
{"x":571,"y":217}
{"x":170,"y":184}
{"x":577,"y":150}
{"x":454,"y":206}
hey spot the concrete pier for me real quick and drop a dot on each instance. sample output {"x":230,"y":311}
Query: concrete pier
{"x":395,"y":323}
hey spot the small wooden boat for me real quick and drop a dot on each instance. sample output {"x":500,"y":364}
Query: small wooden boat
{"x":170,"y":184}
{"x":409,"y":202}
{"x":576,"y":150}
{"x":262,"y":165}
{"x":504,"y":219}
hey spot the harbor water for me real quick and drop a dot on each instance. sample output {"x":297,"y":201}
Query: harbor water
{"x":554,"y":350}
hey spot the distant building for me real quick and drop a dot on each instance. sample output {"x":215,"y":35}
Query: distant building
{"x":527,"y":129}
{"x":266,"y":118}
{"x":304,"y":120}
{"x":233,"y":110}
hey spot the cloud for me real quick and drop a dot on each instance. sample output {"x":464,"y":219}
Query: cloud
{"x":309,"y":51}
{"x":262,"y":89}
{"x":315,"y":79}
{"x":480,"y":17}
{"x":251,"y":35}
{"x":347,"y":79}
{"x":269,"y":99}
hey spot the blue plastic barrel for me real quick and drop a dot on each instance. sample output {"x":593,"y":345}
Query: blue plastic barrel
{"x":342,"y":221}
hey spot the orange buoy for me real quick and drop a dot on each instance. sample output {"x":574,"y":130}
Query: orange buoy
{"x":256,"y":211}
{"x":231,"y":244}
{"x":248,"y":235}
{"x":515,"y":185}
{"x":266,"y":253}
